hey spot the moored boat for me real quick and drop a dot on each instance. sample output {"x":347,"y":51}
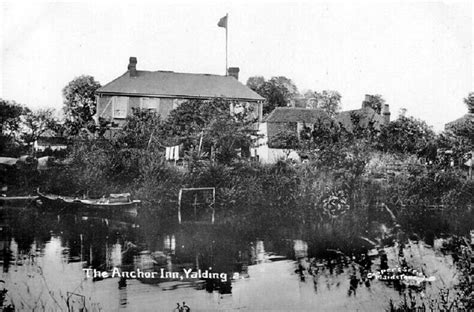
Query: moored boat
{"x":116,"y":205}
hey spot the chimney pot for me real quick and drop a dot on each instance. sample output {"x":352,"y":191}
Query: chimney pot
{"x":366,"y":101}
{"x":386,"y":113}
{"x":402,"y":112}
{"x":234,"y":72}
{"x":132,"y":66}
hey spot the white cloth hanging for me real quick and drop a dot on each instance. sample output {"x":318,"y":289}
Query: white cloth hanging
{"x":176,"y":152}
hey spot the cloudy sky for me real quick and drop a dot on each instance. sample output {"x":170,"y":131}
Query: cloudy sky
{"x":418,"y":55}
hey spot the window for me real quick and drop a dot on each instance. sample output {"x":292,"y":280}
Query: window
{"x":150,"y":104}
{"x":120,"y":107}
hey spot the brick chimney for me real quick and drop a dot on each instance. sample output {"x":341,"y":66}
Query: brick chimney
{"x":132,"y":66}
{"x":366,"y":101}
{"x":386,"y":114}
{"x":234,"y":72}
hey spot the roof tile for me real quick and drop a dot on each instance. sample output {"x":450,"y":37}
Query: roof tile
{"x":179,"y":85}
{"x":295,"y":114}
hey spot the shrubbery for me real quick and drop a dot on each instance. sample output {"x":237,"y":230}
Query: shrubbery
{"x":341,"y":196}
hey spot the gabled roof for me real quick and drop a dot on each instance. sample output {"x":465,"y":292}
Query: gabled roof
{"x":179,"y":85}
{"x":365,"y":116}
{"x":295,"y":114}
{"x":460,"y":122}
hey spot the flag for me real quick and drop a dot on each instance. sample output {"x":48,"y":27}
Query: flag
{"x":222,"y":22}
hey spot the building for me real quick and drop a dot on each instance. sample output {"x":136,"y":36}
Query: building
{"x":286,"y":121}
{"x":363,"y":117}
{"x":290,"y":121}
{"x":163,"y":91}
{"x":50,"y":141}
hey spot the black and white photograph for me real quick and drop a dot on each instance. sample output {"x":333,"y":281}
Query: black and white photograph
{"x":236,"y":155}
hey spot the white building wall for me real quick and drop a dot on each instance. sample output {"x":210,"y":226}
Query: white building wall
{"x":268,"y":155}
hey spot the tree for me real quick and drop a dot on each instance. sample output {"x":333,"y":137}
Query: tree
{"x":35,"y":123}
{"x":212,"y":122}
{"x":140,"y":129}
{"x":327,"y":100}
{"x":80,"y":103}
{"x":375,"y":102}
{"x":228,"y":135}
{"x":256,"y":83}
{"x":463,"y":128}
{"x":285,"y":139}
{"x":10,"y":113}
{"x":405,"y":135}
{"x":278,"y":91}
{"x":469,"y":100}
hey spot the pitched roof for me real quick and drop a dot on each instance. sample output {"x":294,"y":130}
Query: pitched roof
{"x":365,"y":115}
{"x":295,"y":114}
{"x":179,"y":85}
{"x":463,"y":121}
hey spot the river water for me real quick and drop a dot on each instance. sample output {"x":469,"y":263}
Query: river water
{"x":45,"y":258}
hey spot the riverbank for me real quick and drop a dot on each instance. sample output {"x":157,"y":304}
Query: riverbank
{"x":17,"y":201}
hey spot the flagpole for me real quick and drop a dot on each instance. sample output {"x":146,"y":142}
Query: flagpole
{"x":226,"y":40}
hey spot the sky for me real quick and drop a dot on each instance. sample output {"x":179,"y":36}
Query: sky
{"x":417,"y":55}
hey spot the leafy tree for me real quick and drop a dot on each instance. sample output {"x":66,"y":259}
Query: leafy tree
{"x":185,"y":123}
{"x":463,"y":128}
{"x":278,"y":91}
{"x":35,"y":123}
{"x":80,"y":103}
{"x":10,"y":113}
{"x":256,"y":83}
{"x":375,"y":102}
{"x":405,"y":135}
{"x":212,"y":121}
{"x":327,"y":100}
{"x":228,"y":135}
{"x":140,"y":130}
{"x":469,"y":100}
{"x":285,"y":139}
{"x":324,"y":134}
{"x":364,"y":126}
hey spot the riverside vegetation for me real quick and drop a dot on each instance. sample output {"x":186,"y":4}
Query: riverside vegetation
{"x":381,"y":186}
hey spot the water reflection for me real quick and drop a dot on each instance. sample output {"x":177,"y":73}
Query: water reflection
{"x":58,"y":248}
{"x":43,"y":256}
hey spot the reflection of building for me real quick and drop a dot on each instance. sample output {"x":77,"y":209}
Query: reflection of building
{"x":163,"y":91}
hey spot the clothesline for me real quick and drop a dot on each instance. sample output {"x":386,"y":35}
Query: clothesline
{"x":172,"y":153}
